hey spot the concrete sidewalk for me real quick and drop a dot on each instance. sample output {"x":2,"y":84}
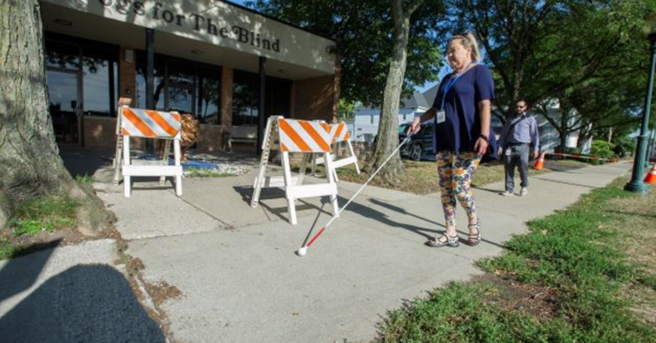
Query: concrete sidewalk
{"x":241,"y":281}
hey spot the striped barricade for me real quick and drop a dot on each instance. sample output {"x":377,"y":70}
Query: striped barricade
{"x":155,"y":125}
{"x":299,"y":136}
{"x":340,"y":133}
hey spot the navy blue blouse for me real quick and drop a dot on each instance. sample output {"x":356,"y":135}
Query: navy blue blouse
{"x":462,"y":125}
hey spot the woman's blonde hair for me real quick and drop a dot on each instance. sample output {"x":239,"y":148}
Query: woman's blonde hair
{"x":468,"y":41}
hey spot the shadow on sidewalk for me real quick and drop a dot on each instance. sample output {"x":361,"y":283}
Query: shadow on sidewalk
{"x":403,"y":211}
{"x":369,"y":212}
{"x":278,"y":194}
{"x":566,"y":183}
{"x":86,"y":303}
{"x":84,"y":161}
{"x":20,"y":274}
{"x":364,"y":211}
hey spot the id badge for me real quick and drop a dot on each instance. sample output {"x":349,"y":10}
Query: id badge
{"x":508,"y":151}
{"x":440,"y":116}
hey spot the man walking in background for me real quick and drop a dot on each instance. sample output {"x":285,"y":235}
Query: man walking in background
{"x":519,"y":138}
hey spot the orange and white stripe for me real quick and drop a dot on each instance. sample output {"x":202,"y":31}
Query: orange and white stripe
{"x":304,"y":136}
{"x":339,"y":132}
{"x":149,"y":124}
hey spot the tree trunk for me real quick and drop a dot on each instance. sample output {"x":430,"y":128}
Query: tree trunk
{"x":387,"y":138}
{"x":29,"y":158}
{"x":585,"y":133}
{"x":563,"y":141}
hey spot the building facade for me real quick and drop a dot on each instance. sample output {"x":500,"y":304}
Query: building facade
{"x":227,"y":65}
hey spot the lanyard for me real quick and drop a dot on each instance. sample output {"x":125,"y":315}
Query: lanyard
{"x":451,"y":82}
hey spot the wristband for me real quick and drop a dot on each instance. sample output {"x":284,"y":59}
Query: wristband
{"x":486,"y":138}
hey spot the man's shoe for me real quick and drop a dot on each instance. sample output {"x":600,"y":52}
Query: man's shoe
{"x":523,"y":192}
{"x":506,"y":193}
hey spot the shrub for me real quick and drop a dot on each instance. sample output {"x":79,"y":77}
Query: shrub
{"x":626,"y":144}
{"x":602,"y":149}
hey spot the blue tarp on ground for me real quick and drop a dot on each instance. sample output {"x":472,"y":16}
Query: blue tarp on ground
{"x":185,"y":165}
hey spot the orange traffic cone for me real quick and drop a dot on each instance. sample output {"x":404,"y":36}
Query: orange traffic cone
{"x":651,"y":176}
{"x":540,"y":162}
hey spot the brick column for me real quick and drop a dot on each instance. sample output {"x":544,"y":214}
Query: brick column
{"x":315,"y":99}
{"x":226,"y":96}
{"x":226,"y":106}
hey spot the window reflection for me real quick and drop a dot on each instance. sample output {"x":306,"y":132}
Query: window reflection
{"x":245,"y":98}
{"x":180,"y":99}
{"x":158,"y":74}
{"x":98,"y":71}
{"x":62,"y":94}
{"x":183,"y":86}
{"x":209,"y":96}
{"x":62,"y":55}
{"x":96,"y":83}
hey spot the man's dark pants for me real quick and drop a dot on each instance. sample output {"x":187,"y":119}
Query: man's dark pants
{"x":518,"y":156}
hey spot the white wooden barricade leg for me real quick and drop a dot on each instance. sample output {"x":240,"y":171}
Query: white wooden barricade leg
{"x":119,"y":147}
{"x":291,"y":205}
{"x":352,"y":159}
{"x":165,"y":160}
{"x":122,"y":103}
{"x":301,"y":170}
{"x":297,"y":191}
{"x":347,"y":160}
{"x":178,"y":175}
{"x":319,"y":158}
{"x":330,"y":170}
{"x":130,"y":170}
{"x":260,"y":180}
{"x":127,"y":184}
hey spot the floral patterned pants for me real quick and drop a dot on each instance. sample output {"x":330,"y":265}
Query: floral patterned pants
{"x":455,"y":172}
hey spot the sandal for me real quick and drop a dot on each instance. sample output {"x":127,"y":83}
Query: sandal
{"x":474,"y":239}
{"x":452,"y":242}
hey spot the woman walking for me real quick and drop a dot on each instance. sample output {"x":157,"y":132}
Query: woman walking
{"x":461,"y":115}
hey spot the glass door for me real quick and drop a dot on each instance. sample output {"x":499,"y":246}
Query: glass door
{"x":65,"y":105}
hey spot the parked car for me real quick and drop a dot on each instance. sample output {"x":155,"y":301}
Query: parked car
{"x":421,"y":144}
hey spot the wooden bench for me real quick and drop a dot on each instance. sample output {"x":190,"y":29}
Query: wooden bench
{"x":242,"y":134}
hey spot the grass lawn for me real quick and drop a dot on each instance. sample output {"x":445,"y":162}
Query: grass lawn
{"x":39,"y":223}
{"x":585,"y":274}
{"x":422,"y":176}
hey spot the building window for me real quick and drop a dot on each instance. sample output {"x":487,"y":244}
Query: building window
{"x":99,"y":80}
{"x":96,"y":66}
{"x":209,"y":97}
{"x":183,"y":86}
{"x":245,"y":98}
{"x":159,"y":78}
{"x":278,"y":97}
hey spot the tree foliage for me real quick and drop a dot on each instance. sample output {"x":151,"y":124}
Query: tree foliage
{"x":363,"y":31}
{"x":589,"y":55}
